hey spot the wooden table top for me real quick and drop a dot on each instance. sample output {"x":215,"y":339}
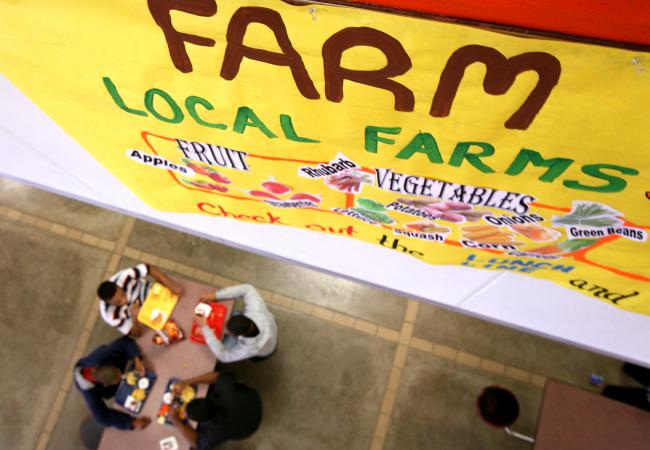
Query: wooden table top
{"x":572,"y":419}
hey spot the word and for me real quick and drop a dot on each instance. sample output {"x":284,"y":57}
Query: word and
{"x":158,"y":162}
{"x":214,"y":155}
{"x":513,"y":220}
{"x":395,"y":245}
{"x":501,"y":72}
{"x":631,"y":233}
{"x":325,"y":170}
{"x":425,"y":143}
{"x":600,"y":291}
{"x":472,"y":195}
{"x":171,"y":112}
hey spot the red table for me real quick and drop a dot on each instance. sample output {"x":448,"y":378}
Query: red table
{"x":181,"y":360}
{"x":573,"y":419}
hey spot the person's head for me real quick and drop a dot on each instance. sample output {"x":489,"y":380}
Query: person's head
{"x":200,"y":409}
{"x":241,"y":325}
{"x":107,"y":375}
{"x":112,"y":294}
{"x":498,"y":406}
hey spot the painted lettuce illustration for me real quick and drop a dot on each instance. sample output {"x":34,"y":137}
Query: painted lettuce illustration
{"x":587,"y":214}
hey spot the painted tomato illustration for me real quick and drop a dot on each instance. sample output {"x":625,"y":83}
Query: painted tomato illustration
{"x":304,"y":196}
{"x":275,"y":187}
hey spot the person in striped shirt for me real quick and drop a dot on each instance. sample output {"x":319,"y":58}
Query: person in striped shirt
{"x":122,"y":296}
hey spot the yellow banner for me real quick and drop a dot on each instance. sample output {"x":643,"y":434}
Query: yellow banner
{"x":452,"y":144}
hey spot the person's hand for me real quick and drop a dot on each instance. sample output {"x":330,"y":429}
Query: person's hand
{"x":140,"y":423}
{"x":173,"y":415}
{"x":134,"y":309}
{"x":201,"y":320}
{"x":176,"y":288}
{"x":139,"y":366}
{"x":177,"y":388}
{"x":208,"y":297}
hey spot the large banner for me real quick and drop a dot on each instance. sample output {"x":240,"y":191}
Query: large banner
{"x":453,"y":145}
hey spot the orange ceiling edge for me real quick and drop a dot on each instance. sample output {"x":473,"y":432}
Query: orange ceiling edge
{"x":623,"y":21}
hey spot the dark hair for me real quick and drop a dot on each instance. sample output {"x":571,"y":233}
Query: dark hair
{"x":200,"y":409}
{"x":107,"y":375}
{"x":498,"y":406}
{"x":240,"y":325}
{"x":107,"y":290}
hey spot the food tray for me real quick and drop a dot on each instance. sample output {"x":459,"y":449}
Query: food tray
{"x":157,"y":307}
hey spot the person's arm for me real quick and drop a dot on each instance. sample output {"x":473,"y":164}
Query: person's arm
{"x":136,"y":328}
{"x":127,"y":346}
{"x":164,"y":279}
{"x":187,"y":431}
{"x":233,"y":354}
{"x":206,"y":378}
{"x":104,"y":415}
{"x":247,"y":292}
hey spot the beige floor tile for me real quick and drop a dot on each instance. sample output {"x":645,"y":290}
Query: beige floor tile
{"x":322,"y":313}
{"x":444,"y":352}
{"x":406,"y":333}
{"x":58,"y":229}
{"x":132,"y":253}
{"x":411,"y":311}
{"x":537,"y":380}
{"x":28,"y":219}
{"x":394,"y":379}
{"x":468,"y":359}
{"x":400,"y":356}
{"x":517,"y":374}
{"x":42,"y":442}
{"x":421,"y":344}
{"x":377,"y":444}
{"x":74,"y":234}
{"x":302,"y":307}
{"x":492,"y":366}
{"x":344,"y":320}
{"x":366,"y":327}
{"x":388,"y":402}
{"x":89,"y":239}
{"x":14,"y":214}
{"x":382,"y":426}
{"x":388,"y":334}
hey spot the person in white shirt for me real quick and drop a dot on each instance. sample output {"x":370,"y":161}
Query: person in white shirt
{"x":253,"y":334}
{"x":123,"y":294}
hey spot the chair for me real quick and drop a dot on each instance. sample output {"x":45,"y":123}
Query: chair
{"x":500,"y":408}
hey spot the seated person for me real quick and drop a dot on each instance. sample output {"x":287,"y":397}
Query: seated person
{"x":635,"y":396}
{"x":230,"y":411}
{"x":123,"y":294}
{"x":254,"y":333}
{"x":98,"y":375}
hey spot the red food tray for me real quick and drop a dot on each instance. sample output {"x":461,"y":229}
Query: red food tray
{"x":215,"y":321}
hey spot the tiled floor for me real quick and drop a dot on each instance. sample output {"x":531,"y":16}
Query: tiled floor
{"x":358,"y":368}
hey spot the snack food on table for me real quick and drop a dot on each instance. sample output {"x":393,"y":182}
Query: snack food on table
{"x":169,"y":334}
{"x":188,"y":394}
{"x":143,"y":383}
{"x":131,"y":378}
{"x":138,"y":394}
